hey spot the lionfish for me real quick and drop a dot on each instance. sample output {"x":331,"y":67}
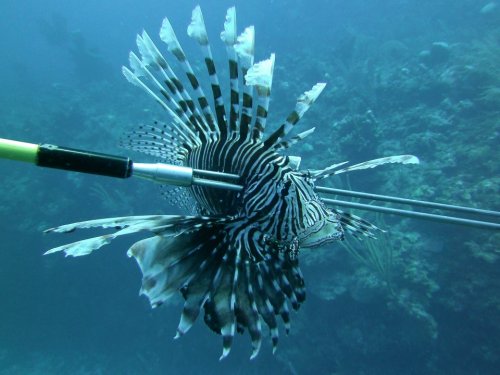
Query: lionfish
{"x":237,"y":256}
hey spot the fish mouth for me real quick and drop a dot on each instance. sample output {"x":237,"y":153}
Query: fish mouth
{"x":322,"y":232}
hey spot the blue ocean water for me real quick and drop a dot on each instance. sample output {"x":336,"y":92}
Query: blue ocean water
{"x":417,"y":77}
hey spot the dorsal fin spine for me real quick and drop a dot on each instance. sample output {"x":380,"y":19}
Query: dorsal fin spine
{"x":167,"y":35}
{"x":260,"y":75}
{"x":304,"y":102}
{"x":228,"y":36}
{"x":244,"y":47}
{"x":182,"y":97}
{"x":286,"y":143}
{"x":197,"y":30}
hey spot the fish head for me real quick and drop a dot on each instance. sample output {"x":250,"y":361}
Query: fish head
{"x":317,"y":224}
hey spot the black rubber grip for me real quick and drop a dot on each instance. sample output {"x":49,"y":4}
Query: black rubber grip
{"x":84,"y":161}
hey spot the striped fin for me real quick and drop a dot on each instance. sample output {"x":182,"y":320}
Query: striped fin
{"x":177,"y":114}
{"x":264,"y":306}
{"x":127,"y":225}
{"x":355,"y":225}
{"x":141,"y":71}
{"x":245,"y":49}
{"x":173,"y":134}
{"x":208,"y":261}
{"x":178,"y":196}
{"x":151,"y":56}
{"x":196,"y":291}
{"x":229,"y":36}
{"x":193,"y":255}
{"x":304,"y":102}
{"x":296,"y":280}
{"x":165,"y":143}
{"x":333,"y":169}
{"x":168,"y":262}
{"x":223,"y":299}
{"x":236,"y":279}
{"x":271,"y":270}
{"x":167,"y":35}
{"x":260,"y":75}
{"x":286,"y":143}
{"x":178,"y":124}
{"x":221,"y":305}
{"x":197,"y":30}
{"x":114,"y":222}
{"x":133,"y":78}
{"x":247,"y":311}
{"x":322,"y":173}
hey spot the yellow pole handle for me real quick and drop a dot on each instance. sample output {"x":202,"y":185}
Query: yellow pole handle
{"x":20,"y":151}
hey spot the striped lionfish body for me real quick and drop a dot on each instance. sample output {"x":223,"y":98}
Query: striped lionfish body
{"x":236,"y":259}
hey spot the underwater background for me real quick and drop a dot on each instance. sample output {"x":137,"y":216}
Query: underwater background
{"x":417,"y":77}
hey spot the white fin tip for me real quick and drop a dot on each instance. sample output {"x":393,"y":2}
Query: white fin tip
{"x":225,"y":353}
{"x":228,"y":35}
{"x":261,"y":73}
{"x":196,"y":28}
{"x":245,"y":43}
